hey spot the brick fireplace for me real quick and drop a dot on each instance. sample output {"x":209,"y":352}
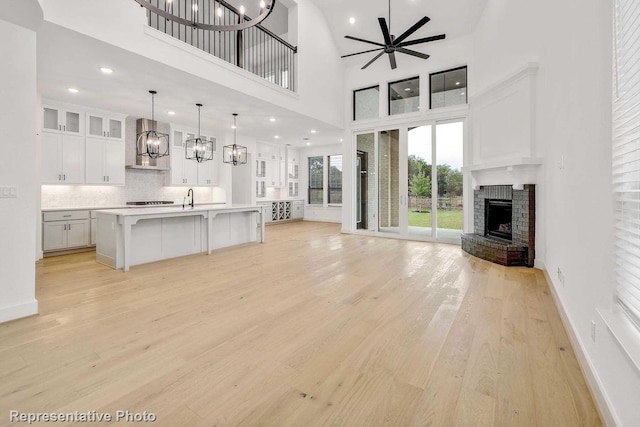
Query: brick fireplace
{"x":504,"y":223}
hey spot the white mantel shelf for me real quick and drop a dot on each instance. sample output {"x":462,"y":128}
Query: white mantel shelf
{"x":133,"y":236}
{"x":504,"y":164}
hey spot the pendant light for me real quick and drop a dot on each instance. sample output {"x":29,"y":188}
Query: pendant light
{"x":198,"y":148}
{"x":234,"y":154}
{"x":152,"y":143}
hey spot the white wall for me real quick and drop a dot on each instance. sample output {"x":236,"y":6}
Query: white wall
{"x":324,"y":212}
{"x":18,"y":103}
{"x":319,"y":69}
{"x":571,"y":40}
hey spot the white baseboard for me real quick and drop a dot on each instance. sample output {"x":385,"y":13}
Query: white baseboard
{"x":335,"y":221}
{"x":18,"y":311}
{"x":593,"y":380}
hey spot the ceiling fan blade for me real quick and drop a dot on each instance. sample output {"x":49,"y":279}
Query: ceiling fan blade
{"x":392,"y":60}
{"x":373,"y":60}
{"x":412,"y":30}
{"x":425,"y":40}
{"x":412,"y":53}
{"x":364,"y":41}
{"x":385,"y":31}
{"x":360,"y":53}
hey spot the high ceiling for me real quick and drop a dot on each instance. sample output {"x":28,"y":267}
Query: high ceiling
{"x":455,"y":18}
{"x":68,"y":59}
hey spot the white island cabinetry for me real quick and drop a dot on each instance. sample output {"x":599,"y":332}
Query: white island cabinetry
{"x":127,"y":237}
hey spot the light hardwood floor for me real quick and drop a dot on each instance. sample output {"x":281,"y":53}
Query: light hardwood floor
{"x":311,"y":328}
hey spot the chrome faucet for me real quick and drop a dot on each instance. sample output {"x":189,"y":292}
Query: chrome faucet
{"x":190,"y":193}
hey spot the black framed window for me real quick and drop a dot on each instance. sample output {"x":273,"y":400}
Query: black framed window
{"x":404,"y":96}
{"x":366,"y":103}
{"x":316,"y":180}
{"x":448,"y":88}
{"x":335,"y":180}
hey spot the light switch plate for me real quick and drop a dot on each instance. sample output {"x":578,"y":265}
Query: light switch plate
{"x":8,"y":192}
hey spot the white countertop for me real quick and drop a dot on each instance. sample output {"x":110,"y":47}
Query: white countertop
{"x":95,"y":208}
{"x":173,"y":210}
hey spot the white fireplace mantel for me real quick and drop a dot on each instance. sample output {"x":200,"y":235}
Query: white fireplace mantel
{"x":516,"y":171}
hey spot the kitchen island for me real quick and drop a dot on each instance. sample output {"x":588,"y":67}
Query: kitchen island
{"x":127,"y":237}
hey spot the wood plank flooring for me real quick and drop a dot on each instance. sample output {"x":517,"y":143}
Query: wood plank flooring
{"x":312,"y":328}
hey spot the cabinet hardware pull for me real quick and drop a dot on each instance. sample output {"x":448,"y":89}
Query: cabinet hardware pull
{"x":64,"y":177}
{"x":107,"y":178}
{"x":64,"y":128}
{"x":59,"y":177}
{"x":66,"y":216}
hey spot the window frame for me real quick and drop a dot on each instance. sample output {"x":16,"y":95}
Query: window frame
{"x":329,"y":203}
{"x":466,"y":92}
{"x":353,"y":102}
{"x":309,"y":187}
{"x":389,"y":95}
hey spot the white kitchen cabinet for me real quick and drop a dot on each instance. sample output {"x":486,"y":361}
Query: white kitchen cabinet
{"x":183,"y":172}
{"x":293,"y":156}
{"x":294,"y":190}
{"x":63,"y":158}
{"x":270,"y":165}
{"x":103,"y":126}
{"x":105,"y":162}
{"x":65,"y":230}
{"x":94,"y":231}
{"x":208,"y":172}
{"x":297,"y":209}
{"x":61,"y":120}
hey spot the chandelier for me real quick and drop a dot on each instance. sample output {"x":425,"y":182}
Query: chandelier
{"x":194,"y":13}
{"x":234,"y":154}
{"x":152,"y":143}
{"x":197,"y":148}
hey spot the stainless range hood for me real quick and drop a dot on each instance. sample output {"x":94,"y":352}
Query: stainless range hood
{"x":144,"y":162}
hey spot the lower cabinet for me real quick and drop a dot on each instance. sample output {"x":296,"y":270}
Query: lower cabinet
{"x":65,"y":230}
{"x":282,"y":210}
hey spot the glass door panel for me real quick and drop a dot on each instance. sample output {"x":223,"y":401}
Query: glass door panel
{"x":449,"y":159}
{"x":365,"y":182}
{"x":419,"y":162}
{"x":389,"y":181}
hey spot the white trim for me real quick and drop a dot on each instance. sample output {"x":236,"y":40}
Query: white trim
{"x":334,"y":221}
{"x":530,"y":69}
{"x":18,"y":311}
{"x":409,"y":119}
{"x":603,"y":403}
{"x":624,"y":331}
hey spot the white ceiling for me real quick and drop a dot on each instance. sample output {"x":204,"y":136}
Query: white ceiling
{"x":455,"y":18}
{"x":68,"y":59}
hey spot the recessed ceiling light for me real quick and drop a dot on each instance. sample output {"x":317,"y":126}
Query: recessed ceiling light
{"x":272,"y":119}
{"x":106,"y":70}
{"x":407,"y":89}
{"x":171,"y":113}
{"x":341,"y":139}
{"x":461,"y":93}
{"x":308,"y":143}
{"x":457,"y":83}
{"x":263,"y":4}
{"x":233,"y":126}
{"x":352,"y":20}
{"x":313,"y":131}
{"x":277,"y":136}
{"x":73,"y":90}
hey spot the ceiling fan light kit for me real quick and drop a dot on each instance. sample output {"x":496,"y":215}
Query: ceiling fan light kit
{"x":394,"y":44}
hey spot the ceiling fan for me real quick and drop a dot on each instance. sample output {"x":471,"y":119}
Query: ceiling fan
{"x":394,"y":44}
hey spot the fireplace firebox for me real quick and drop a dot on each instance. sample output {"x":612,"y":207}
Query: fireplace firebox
{"x":498,"y":218}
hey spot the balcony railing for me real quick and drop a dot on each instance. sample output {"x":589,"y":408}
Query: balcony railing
{"x":255,"y":49}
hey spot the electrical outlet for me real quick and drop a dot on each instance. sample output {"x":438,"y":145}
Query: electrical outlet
{"x":560,"y":276}
{"x":8,"y":192}
{"x":593,"y":331}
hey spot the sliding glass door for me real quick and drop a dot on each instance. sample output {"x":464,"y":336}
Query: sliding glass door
{"x":409,"y":181}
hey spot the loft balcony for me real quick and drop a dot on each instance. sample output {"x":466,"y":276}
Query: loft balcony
{"x":256,"y":49}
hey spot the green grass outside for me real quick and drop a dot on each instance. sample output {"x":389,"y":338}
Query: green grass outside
{"x":449,"y":219}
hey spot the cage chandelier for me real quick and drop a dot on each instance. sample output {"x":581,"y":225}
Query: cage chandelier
{"x":188,"y":12}
{"x":198,"y":148}
{"x":152,"y":143}
{"x":234,"y":154}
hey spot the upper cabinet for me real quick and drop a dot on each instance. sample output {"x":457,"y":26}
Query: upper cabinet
{"x":63,"y":159}
{"x":61,"y":120}
{"x":270,"y":165}
{"x":80,"y":147}
{"x":104,"y":126}
{"x":189,"y":173}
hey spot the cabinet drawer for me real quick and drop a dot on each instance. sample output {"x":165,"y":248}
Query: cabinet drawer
{"x":65,"y":215}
